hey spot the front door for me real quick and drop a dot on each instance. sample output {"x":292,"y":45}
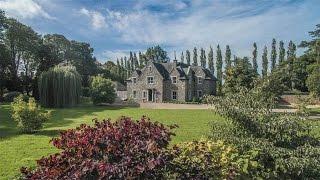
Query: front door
{"x":150,"y":95}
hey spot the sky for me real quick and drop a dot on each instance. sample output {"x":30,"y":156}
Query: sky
{"x":115,"y":27}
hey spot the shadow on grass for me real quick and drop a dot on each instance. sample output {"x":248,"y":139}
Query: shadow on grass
{"x":61,"y":119}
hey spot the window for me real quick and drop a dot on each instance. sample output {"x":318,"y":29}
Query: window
{"x":199,"y":80}
{"x":174,"y":95}
{"x":199,"y":93}
{"x":150,"y":69}
{"x":174,"y":79}
{"x":134,"y":94}
{"x":134,"y":80}
{"x":144,"y":94}
{"x":150,"y":80}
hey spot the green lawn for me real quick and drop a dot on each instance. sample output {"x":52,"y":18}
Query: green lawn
{"x":17,"y":150}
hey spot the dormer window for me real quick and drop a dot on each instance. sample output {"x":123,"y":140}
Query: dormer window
{"x":199,"y":79}
{"x":134,"y":80}
{"x":174,"y":79}
{"x":150,"y":80}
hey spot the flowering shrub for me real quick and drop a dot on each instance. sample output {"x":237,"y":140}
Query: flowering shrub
{"x":28,"y":115}
{"x":124,"y":149}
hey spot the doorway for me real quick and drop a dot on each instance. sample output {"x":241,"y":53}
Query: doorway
{"x":150,"y":94}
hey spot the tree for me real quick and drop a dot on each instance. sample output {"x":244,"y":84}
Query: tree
{"x":141,"y":60}
{"x":203,"y":58}
{"x":219,"y":70}
{"x":265,"y":62}
{"x":182,"y":57}
{"x":228,"y":57}
{"x":195,"y":57}
{"x":313,"y":80}
{"x":135,"y":60}
{"x":282,"y":52}
{"x":102,"y":90}
{"x":291,"y":56}
{"x":188,"y":57}
{"x":240,"y":75}
{"x":156,"y":54}
{"x":60,"y":87}
{"x":254,"y":58}
{"x":132,"y":64}
{"x":273,"y":54}
{"x":210,"y":60}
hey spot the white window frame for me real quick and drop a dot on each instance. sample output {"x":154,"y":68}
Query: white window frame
{"x":199,"y":78}
{"x":176,"y":95}
{"x":134,"y":80}
{"x":198,"y":93}
{"x":175,"y":78}
{"x":148,"y":79}
{"x":134,"y":94}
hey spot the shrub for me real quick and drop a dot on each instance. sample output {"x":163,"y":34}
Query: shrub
{"x":9,"y":97}
{"x":86,"y":91}
{"x":313,"y":82}
{"x":60,"y":87}
{"x":202,"y":159}
{"x":124,"y":149}
{"x":102,"y":90}
{"x":28,"y":115}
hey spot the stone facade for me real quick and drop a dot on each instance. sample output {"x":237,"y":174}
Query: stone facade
{"x":158,"y":82}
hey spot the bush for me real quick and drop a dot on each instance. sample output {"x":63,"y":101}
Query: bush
{"x":202,"y":159}
{"x":86,"y":91}
{"x":9,"y":97}
{"x":124,"y":149}
{"x":102,"y":90}
{"x":313,"y":82}
{"x":60,"y":87}
{"x":28,"y":115}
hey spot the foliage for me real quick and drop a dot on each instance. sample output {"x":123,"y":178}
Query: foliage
{"x":60,"y":87}
{"x":28,"y":115}
{"x":313,"y":81}
{"x":124,"y":149}
{"x":254,"y":58}
{"x":156,"y":54}
{"x":188,"y":57}
{"x":273,"y":54}
{"x":219,"y":70}
{"x":203,"y":58}
{"x":282,"y":52}
{"x":9,"y":97}
{"x":240,"y":75}
{"x":210,"y":60}
{"x":102,"y":90}
{"x":195,"y":57}
{"x":265,"y":62}
{"x":202,"y":159}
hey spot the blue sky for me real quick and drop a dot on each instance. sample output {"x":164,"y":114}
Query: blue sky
{"x":114,"y":27}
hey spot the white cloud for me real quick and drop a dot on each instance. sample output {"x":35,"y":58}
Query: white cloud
{"x":26,"y":9}
{"x":112,"y":55}
{"x":97,"y":20}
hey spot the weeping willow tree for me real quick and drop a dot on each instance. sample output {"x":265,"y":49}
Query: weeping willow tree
{"x":60,"y":87}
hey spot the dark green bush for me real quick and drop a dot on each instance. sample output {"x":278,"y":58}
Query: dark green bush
{"x":102,"y":90}
{"x":86,"y":91}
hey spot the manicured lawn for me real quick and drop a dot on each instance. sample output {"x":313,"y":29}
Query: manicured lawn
{"x":17,"y":150}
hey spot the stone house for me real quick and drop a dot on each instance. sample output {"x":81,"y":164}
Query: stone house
{"x":158,"y":82}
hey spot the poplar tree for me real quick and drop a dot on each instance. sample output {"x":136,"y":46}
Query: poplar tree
{"x":141,"y":61}
{"x":118,"y":67}
{"x":228,"y":57}
{"x":282,"y":52}
{"x":219,"y":70}
{"x":210,"y":60}
{"x":273,"y":54}
{"x":135,"y":60}
{"x":131,"y":62}
{"x":182,"y":57}
{"x":195,"y":57}
{"x":254,"y":58}
{"x":265,"y":62}
{"x":203,"y":58}
{"x":188,"y":57}
{"x":291,"y":56}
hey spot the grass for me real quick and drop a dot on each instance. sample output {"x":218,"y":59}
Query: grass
{"x":17,"y":150}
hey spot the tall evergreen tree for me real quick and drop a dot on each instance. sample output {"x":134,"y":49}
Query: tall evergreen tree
{"x":228,"y":57}
{"x":291,"y":56}
{"x":135,"y":60}
{"x":282,"y":52}
{"x":203,"y":58}
{"x":273,"y":54}
{"x":219,"y":70}
{"x":118,"y":66}
{"x":131,"y":62}
{"x":254,"y":58}
{"x":265,"y":62}
{"x":182,"y":57}
{"x":141,"y":60}
{"x":195,"y":57}
{"x":188,"y":57}
{"x":210,"y":60}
